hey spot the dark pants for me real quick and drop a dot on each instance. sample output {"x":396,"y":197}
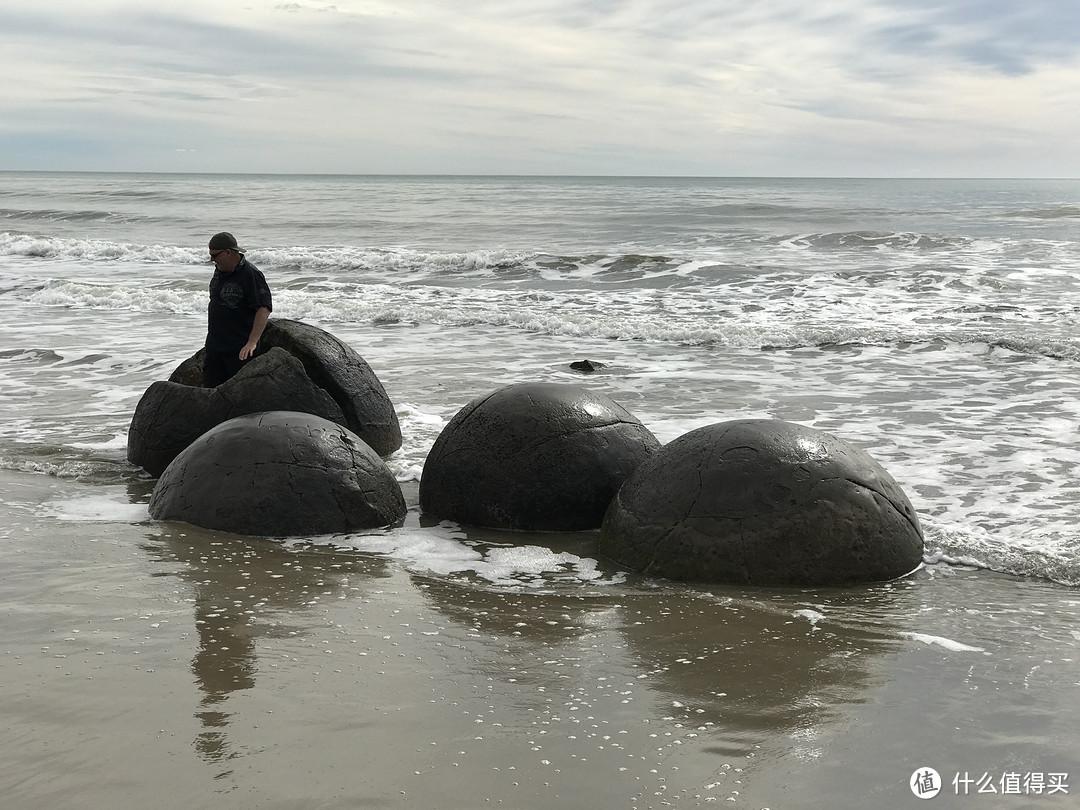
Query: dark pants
{"x":220,"y":366}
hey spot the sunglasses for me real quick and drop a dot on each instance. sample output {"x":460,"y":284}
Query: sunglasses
{"x":214,"y":255}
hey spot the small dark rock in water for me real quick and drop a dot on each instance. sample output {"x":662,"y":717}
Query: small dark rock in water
{"x":586,"y":366}
{"x":533,"y":457}
{"x":279,"y":474}
{"x":763,"y":502}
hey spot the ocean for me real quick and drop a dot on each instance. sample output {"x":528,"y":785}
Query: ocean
{"x":933,"y":323}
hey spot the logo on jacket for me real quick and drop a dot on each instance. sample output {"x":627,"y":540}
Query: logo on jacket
{"x":231,"y":294}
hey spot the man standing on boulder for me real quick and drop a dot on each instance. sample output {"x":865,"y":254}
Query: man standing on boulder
{"x":240,"y":305}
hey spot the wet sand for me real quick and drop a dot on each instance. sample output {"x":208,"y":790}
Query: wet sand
{"x":161,"y":665}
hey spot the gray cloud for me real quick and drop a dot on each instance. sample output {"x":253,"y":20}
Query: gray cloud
{"x":702,"y":86}
{"x":1010,"y":37}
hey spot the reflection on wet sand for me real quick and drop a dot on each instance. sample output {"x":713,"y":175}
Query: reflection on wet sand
{"x":244,"y":589}
{"x":750,"y":663}
{"x":740,"y":665}
{"x":541,"y":617}
{"x":552,"y":687}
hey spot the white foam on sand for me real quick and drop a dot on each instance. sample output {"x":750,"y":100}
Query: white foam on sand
{"x":941,"y":641}
{"x":443,"y":550}
{"x":437,"y":551}
{"x":812,"y":616}
{"x":535,"y":564}
{"x":96,"y":509}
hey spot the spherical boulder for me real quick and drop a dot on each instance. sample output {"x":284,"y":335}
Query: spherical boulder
{"x":279,"y":473}
{"x":763,"y":502}
{"x":533,"y":457}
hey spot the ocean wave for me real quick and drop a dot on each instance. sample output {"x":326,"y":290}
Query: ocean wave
{"x":971,"y":546}
{"x":95,"y":250}
{"x":721,"y":250}
{"x":69,"y":464}
{"x":134,"y":298}
{"x":342,"y":264}
{"x":337,"y":261}
{"x":57,"y":215}
{"x":701,"y":320}
{"x":875,"y":240}
{"x":908,"y":264}
{"x":738,"y":258}
{"x":389,"y":261}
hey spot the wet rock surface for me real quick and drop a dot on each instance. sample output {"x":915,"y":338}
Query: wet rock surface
{"x":322,"y":375}
{"x":171,"y":415}
{"x":336,"y":368}
{"x":587,"y":366}
{"x":279,"y":474}
{"x":763,"y":502}
{"x":533,"y":457}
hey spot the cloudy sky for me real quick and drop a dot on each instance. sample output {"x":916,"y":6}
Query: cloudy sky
{"x":722,"y":87}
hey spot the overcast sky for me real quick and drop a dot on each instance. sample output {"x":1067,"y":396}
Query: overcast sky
{"x":723,"y":87}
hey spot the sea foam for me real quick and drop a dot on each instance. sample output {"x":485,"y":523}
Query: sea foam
{"x":444,"y":550}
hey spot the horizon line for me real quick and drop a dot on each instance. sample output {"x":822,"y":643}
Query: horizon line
{"x":539,"y":175}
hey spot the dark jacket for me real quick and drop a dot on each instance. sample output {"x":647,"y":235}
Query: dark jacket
{"x":234,"y":299}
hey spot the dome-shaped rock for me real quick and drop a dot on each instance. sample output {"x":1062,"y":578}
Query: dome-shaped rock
{"x":533,"y":457}
{"x":278,"y":474}
{"x":764,"y":502}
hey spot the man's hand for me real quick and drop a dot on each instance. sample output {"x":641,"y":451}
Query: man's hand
{"x":262,"y":315}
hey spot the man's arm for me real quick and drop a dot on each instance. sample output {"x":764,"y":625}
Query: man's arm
{"x":262,"y":314}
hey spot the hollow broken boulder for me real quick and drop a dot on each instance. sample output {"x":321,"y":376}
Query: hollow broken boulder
{"x":280,"y":474}
{"x":326,"y":377}
{"x":170,"y":415}
{"x":533,"y":457}
{"x":763,"y":502}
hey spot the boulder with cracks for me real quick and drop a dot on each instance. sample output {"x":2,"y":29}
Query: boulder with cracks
{"x":171,"y":415}
{"x":279,"y":474}
{"x":299,"y":368}
{"x":533,"y":457}
{"x":336,"y":368}
{"x":762,"y":502}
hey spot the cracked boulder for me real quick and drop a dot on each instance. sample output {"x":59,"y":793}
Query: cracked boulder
{"x":533,"y":457}
{"x":279,"y":474}
{"x":336,"y":368}
{"x":762,"y":502}
{"x":322,"y":375}
{"x":171,"y":415}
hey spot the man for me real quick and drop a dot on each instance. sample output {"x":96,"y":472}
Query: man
{"x":240,"y":305}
